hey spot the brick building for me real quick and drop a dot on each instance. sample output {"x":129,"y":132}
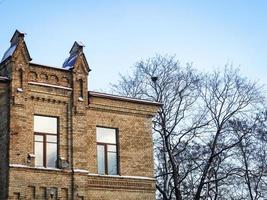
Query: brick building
{"x":59,"y":141}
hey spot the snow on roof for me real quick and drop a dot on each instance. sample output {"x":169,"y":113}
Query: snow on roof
{"x":123,"y":98}
{"x":70,"y":61}
{"x":9,"y":52}
{"x":80,"y":43}
{"x":49,"y":66}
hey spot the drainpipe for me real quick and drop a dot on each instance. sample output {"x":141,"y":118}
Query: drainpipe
{"x":9,"y":101}
{"x":70,"y":143}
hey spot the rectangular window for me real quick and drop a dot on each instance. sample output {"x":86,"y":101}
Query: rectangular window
{"x":45,"y":141}
{"x":107,"y":156}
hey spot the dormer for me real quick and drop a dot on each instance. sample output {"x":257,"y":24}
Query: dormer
{"x":76,"y":53}
{"x":17,"y":46}
{"x":16,"y":37}
{"x":15,"y":63}
{"x":77,"y":63}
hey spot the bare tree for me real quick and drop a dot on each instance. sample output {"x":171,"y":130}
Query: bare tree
{"x":227,"y":96}
{"x":194,"y":141}
{"x":251,"y":156}
{"x":162,"y":79}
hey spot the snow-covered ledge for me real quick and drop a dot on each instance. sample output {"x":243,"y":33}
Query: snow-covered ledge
{"x":84,"y":171}
{"x":48,"y":168}
{"x":28,"y":167}
{"x":123,"y":177}
{"x":50,"y":85}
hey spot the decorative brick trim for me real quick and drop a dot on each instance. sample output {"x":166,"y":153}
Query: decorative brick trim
{"x":48,"y":100}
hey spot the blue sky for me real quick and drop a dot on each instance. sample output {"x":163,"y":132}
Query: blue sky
{"x":208,"y":33}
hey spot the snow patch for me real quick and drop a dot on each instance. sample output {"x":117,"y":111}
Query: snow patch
{"x":81,"y":171}
{"x":19,"y":90}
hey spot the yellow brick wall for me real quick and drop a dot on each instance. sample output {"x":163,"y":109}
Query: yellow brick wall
{"x":53,"y":92}
{"x":135,"y":141}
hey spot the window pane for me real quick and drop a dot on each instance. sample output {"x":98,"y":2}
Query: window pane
{"x":51,"y":156}
{"x":112,"y":148}
{"x":51,"y":138}
{"x":38,"y":138}
{"x":101,"y":159}
{"x":112,"y":163}
{"x":39,"y":151}
{"x":45,"y":124}
{"x":106,"y":135}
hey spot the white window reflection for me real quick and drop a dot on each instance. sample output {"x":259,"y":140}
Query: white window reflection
{"x":112,"y":163}
{"x":101,"y":159}
{"x":51,"y":154}
{"x":44,"y":124}
{"x":39,"y":152}
{"x":106,"y":135}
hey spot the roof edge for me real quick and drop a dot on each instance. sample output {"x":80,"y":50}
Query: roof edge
{"x":124,"y":98}
{"x":49,"y":66}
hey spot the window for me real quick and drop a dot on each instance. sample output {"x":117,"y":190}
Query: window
{"x":107,"y":156}
{"x":20,"y":78}
{"x":45,"y":141}
{"x":81,"y":87}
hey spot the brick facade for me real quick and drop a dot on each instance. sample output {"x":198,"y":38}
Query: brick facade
{"x":28,"y":89}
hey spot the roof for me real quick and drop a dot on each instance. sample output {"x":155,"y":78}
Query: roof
{"x":9,"y":52}
{"x":16,"y":35}
{"x":70,"y":61}
{"x":75,"y":52}
{"x":13,"y":45}
{"x":48,"y":66}
{"x":123,"y":98}
{"x":77,"y":46}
